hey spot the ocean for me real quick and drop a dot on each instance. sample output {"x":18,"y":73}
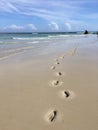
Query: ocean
{"x":15,"y":43}
{"x":11,"y":37}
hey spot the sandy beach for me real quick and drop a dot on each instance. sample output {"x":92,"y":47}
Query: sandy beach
{"x":52,"y":87}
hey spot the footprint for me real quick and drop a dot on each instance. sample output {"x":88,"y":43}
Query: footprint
{"x":53,"y":67}
{"x":59,"y":74}
{"x":56,"y":59}
{"x":62,"y":57}
{"x":57,"y":63}
{"x":56,"y":83}
{"x":66,"y":94}
{"x":51,"y":116}
{"x":73,"y":51}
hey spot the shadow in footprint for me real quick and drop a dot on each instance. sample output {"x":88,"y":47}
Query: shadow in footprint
{"x":66,"y":93}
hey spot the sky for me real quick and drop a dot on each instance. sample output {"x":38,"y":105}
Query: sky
{"x":48,"y":15}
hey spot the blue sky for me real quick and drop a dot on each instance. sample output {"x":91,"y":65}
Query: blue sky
{"x":48,"y":15}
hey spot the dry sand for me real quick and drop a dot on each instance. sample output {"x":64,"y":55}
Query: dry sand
{"x":52,"y":91}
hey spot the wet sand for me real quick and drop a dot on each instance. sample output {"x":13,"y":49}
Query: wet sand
{"x":54,"y":88}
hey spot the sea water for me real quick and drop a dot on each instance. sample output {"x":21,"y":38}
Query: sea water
{"x":14,"y":43}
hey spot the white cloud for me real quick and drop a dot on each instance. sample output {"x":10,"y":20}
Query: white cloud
{"x":13,"y":27}
{"x":68,"y":25}
{"x":31,"y":27}
{"x":54,"y":26}
{"x":16,"y":28}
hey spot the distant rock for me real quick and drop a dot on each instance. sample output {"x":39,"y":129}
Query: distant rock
{"x":86,"y":32}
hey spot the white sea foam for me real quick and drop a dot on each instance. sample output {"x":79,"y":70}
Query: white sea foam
{"x":51,"y":36}
{"x":20,"y":38}
{"x":34,"y":42}
{"x":32,"y":38}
